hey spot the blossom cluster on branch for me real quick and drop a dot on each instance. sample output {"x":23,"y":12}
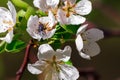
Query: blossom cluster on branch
{"x":49,"y":24}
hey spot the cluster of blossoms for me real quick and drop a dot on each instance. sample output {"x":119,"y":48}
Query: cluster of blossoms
{"x":52,"y":64}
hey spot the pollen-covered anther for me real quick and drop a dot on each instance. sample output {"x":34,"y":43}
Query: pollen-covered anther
{"x":10,"y":29}
{"x":8,"y":22}
{"x":68,"y":8}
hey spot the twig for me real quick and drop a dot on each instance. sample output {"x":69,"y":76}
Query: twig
{"x":23,"y":66}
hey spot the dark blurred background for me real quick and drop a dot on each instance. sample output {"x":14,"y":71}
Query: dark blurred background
{"x":106,"y":16}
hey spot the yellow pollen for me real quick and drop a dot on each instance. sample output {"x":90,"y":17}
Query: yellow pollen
{"x":68,"y":8}
{"x":8,"y":22}
{"x":10,"y":29}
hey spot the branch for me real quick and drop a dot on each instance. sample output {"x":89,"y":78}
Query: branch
{"x":25,"y":61}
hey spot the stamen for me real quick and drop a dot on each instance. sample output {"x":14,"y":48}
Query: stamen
{"x":8,"y":22}
{"x":10,"y":29}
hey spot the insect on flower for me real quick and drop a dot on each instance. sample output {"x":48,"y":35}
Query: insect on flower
{"x":42,"y":27}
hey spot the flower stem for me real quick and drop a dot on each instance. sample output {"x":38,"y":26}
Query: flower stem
{"x":20,"y":4}
{"x":25,"y":61}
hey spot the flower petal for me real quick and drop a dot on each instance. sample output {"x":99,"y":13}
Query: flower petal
{"x":61,"y":17}
{"x":12,"y":10}
{"x":73,"y":1}
{"x":79,"y":43}
{"x":49,"y":34}
{"x":94,"y":34}
{"x":5,"y":19}
{"x":32,"y":27}
{"x":50,"y":20}
{"x":41,"y":4}
{"x":45,"y":51}
{"x":76,"y":19}
{"x":52,"y":3}
{"x":49,"y":73}
{"x":81,"y":29}
{"x":91,"y":49}
{"x":68,"y":73}
{"x":37,"y":67}
{"x":8,"y":38}
{"x":83,"y":7}
{"x":65,"y":54}
{"x":85,"y":56}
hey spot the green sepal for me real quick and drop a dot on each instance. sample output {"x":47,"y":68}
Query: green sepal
{"x":15,"y":46}
{"x":41,"y":13}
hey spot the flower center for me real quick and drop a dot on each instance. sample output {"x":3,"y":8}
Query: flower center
{"x":54,"y":63}
{"x":8,"y":22}
{"x":41,"y":29}
{"x":68,"y":8}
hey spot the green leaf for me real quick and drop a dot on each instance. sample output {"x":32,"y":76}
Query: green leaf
{"x":15,"y":46}
{"x":21,"y":13}
{"x":68,"y":63}
{"x":57,"y":44}
{"x":2,"y":46}
{"x":71,"y":28}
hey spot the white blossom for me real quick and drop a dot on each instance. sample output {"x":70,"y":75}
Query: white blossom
{"x":7,"y":22}
{"x":86,"y":41}
{"x":72,"y":12}
{"x":45,"y":5}
{"x":51,"y":64}
{"x":42,"y":27}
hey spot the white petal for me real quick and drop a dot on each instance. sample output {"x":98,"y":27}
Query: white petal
{"x":94,"y":34}
{"x":50,"y":20}
{"x":37,"y":67}
{"x":83,"y":7}
{"x":36,"y":3}
{"x":68,"y":73}
{"x":49,"y":34}
{"x":5,"y":19}
{"x":85,"y":56}
{"x":61,"y":17}
{"x":8,"y":38}
{"x":32,"y":27}
{"x":79,"y":43}
{"x":65,"y":54}
{"x":91,"y":49}
{"x":76,"y":19}
{"x":41,"y":4}
{"x":44,"y":20}
{"x":52,"y":3}
{"x":50,"y":73}
{"x":45,"y":51}
{"x":81,"y":29}
{"x":12,"y":10}
{"x":73,"y":1}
